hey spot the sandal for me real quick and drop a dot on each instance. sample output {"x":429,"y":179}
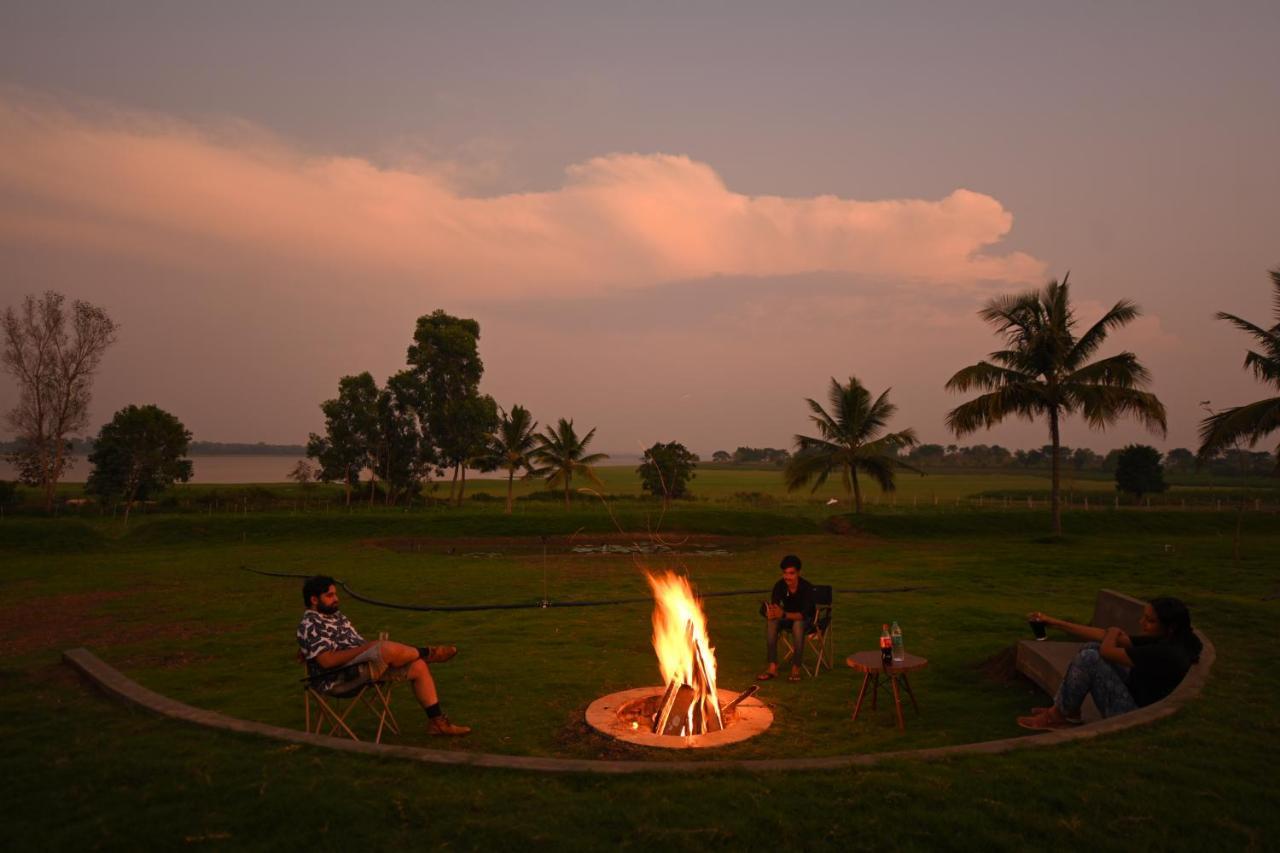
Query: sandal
{"x":1048,"y":721}
{"x":766,"y":676}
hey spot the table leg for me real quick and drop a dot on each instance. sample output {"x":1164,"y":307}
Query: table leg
{"x":875,"y":689}
{"x":897,"y":703}
{"x":911,"y":693}
{"x":866,"y":676}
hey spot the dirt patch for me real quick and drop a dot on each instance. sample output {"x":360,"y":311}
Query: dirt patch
{"x":64,"y":621}
{"x":490,"y":546}
{"x":576,"y":736}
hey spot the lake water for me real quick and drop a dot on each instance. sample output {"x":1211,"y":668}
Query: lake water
{"x":255,"y":469}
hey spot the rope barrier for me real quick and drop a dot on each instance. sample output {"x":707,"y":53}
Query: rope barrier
{"x":545,"y":604}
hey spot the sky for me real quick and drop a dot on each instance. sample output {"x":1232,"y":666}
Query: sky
{"x":673,"y":221}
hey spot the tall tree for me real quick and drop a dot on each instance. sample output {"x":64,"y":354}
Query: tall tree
{"x":469,"y":424}
{"x":349,"y":420}
{"x":446,"y":357}
{"x":139,"y":453}
{"x":54,"y":366}
{"x":405,"y":452}
{"x":1044,"y":371}
{"x":1248,"y":424}
{"x":561,"y":455}
{"x":512,"y":444}
{"x":666,"y":470}
{"x":849,"y":440}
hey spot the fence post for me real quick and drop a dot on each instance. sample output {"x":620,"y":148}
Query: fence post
{"x":1086,"y":503}
{"x":1030,"y":505}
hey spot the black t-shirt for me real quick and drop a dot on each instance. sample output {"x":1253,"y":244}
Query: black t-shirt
{"x":1158,"y":667}
{"x":800,"y":601}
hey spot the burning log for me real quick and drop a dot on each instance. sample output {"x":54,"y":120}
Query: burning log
{"x":693,"y":708}
{"x":739,"y":699}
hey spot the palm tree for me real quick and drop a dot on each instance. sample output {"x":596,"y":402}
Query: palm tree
{"x":511,"y":445}
{"x":1044,"y":370}
{"x":847,"y":441}
{"x":562,"y":454}
{"x":1251,"y":422}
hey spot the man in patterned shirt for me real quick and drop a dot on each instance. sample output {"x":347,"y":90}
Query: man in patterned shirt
{"x":329,"y":641}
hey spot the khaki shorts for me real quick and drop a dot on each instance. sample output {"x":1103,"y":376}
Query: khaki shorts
{"x":371,"y":660}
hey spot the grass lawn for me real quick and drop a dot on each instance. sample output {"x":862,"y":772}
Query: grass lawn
{"x":167,"y":603}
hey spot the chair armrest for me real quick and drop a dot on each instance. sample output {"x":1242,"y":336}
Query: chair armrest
{"x":326,"y":673}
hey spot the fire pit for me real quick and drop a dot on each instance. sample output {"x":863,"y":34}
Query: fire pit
{"x":688,"y":710}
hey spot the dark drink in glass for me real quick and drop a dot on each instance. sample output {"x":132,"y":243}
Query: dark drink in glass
{"x":1038,"y":628}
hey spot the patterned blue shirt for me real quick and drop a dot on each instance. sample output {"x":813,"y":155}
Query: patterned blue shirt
{"x":319,"y":632}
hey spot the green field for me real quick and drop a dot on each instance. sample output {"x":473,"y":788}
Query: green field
{"x":167,"y":602}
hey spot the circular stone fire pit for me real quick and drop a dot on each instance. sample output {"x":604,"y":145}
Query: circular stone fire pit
{"x":628,"y":716}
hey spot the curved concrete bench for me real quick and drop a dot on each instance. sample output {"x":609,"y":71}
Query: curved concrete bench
{"x":116,"y":684}
{"x":1045,"y":661}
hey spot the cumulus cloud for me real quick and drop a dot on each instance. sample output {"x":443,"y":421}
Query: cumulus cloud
{"x":134,"y":184}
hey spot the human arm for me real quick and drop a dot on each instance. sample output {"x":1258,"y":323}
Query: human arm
{"x":335,"y":658}
{"x":1114,"y":647}
{"x":1084,"y":632}
{"x":806,"y":605}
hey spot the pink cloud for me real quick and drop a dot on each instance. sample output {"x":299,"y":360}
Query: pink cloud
{"x":134,"y":184}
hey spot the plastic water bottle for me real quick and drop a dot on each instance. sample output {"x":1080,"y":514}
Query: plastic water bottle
{"x":899,"y":651}
{"x":886,"y":647}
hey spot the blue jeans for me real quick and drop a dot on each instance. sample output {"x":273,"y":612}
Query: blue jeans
{"x":1089,"y":674}
{"x":798,"y":629}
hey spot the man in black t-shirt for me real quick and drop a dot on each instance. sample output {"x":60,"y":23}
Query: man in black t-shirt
{"x":790,"y":608}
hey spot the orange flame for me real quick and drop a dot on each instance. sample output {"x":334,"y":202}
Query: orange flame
{"x":675,"y":611}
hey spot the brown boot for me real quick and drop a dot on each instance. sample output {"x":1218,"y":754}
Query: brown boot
{"x":440,"y":654}
{"x":441,"y":726}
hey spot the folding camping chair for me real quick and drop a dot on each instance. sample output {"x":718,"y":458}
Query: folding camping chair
{"x":352,"y":686}
{"x":819,"y":639}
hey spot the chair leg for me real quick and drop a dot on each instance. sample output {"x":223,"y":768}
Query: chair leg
{"x":392,"y":722}
{"x":385,"y":718}
{"x":338,"y":720}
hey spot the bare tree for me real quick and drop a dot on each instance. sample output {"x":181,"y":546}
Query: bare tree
{"x":54,"y":367}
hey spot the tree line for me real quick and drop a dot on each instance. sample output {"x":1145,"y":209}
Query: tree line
{"x":1043,"y":370}
{"x":430,"y":420}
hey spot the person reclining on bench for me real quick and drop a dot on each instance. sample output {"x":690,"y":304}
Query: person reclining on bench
{"x":1120,"y":672}
{"x":329,"y":641}
{"x":790,"y":608}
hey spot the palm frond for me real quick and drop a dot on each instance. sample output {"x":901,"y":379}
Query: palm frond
{"x":1118,"y":371}
{"x":810,"y":464}
{"x":1268,"y":338}
{"x":986,"y":376}
{"x":1010,"y":312}
{"x":879,"y":469}
{"x":1265,"y":368}
{"x":826,"y":424}
{"x":1103,"y":405}
{"x":987,"y":410}
{"x":1247,"y":423}
{"x":1121,"y":314}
